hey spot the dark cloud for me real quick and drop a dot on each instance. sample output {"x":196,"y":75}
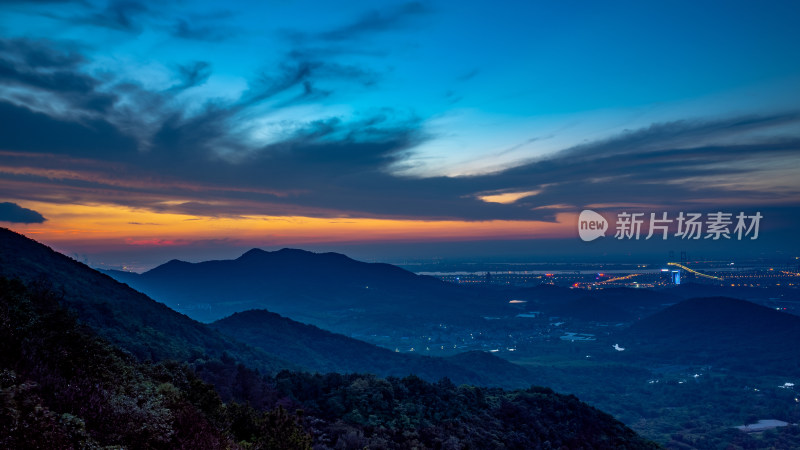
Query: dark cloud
{"x":50,"y":67}
{"x":133,"y":16}
{"x":193,"y":74}
{"x":148,"y":150}
{"x":209,"y":32}
{"x":39,"y":132}
{"x":64,"y":81}
{"x":313,"y":55}
{"x":122,"y":15}
{"x":376,"y":21}
{"x":300,"y":80}
{"x":43,"y":2}
{"x":39,"y":53}
{"x":11,"y":212}
{"x":333,"y":168}
{"x":650,"y":166}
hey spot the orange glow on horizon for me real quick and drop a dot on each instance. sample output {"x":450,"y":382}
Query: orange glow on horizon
{"x":119,"y":226}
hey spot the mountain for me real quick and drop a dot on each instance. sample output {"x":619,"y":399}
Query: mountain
{"x":718,"y":331}
{"x":61,"y":386}
{"x":322,"y":351}
{"x":356,"y":298}
{"x":785,"y":296}
{"x":697,"y":290}
{"x":69,"y":379}
{"x":325,"y":289}
{"x":151,"y":330}
{"x":127,"y":318}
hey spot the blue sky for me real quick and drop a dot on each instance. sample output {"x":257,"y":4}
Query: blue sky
{"x":337,"y":109}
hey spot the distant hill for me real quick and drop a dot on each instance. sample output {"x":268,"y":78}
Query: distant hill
{"x":697,"y":290}
{"x":326,"y":289}
{"x":151,"y":330}
{"x":351,"y":297}
{"x":64,"y":386}
{"x":773,"y":296}
{"x":129,"y":319}
{"x":323,"y":351}
{"x":718,"y":331}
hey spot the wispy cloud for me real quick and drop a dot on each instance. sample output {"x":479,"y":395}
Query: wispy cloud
{"x":73,"y":126}
{"x":376,"y":21}
{"x":123,"y":15}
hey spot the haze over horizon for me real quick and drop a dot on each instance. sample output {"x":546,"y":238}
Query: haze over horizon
{"x":136,"y":134}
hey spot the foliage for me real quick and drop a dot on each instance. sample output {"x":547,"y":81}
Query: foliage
{"x":64,"y":387}
{"x":322,"y":351}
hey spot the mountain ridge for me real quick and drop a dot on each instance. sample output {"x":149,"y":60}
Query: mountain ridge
{"x":151,"y":330}
{"x":309,"y":287}
{"x":126,"y":317}
{"x":719,"y":331}
{"x":323,"y":351}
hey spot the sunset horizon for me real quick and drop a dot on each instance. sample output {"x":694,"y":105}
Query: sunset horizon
{"x":133,"y":129}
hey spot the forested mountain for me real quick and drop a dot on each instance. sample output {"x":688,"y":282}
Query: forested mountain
{"x":719,"y":331}
{"x":322,"y":351}
{"x":151,"y":330}
{"x":65,"y":385}
{"x":311,"y":287}
{"x":127,"y":318}
{"x":356,"y":298}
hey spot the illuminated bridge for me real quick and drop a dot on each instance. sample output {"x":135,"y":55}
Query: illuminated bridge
{"x":699,"y":274}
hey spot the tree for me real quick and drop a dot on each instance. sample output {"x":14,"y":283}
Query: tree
{"x":283,"y":431}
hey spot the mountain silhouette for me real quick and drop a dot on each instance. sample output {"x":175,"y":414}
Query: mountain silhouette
{"x":322,"y":351}
{"x":129,"y":319}
{"x":718,"y":331}
{"x":326,"y":289}
{"x":259,"y":339}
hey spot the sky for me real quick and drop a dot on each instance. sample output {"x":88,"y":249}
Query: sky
{"x":137,"y":132}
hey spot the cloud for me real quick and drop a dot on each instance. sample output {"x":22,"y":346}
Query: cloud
{"x":53,"y":69}
{"x":372,"y":22}
{"x":11,"y":212}
{"x":215,"y":161}
{"x":207,"y":27}
{"x":133,"y":16}
{"x":299,"y":78}
{"x":39,"y":53}
{"x":193,"y":74}
{"x":39,"y":132}
{"x":123,"y":15}
{"x":43,"y":1}
{"x":185,"y":30}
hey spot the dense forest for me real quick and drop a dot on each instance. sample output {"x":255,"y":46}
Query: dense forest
{"x":87,"y":362}
{"x":64,"y":387}
{"x":318,"y":350}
